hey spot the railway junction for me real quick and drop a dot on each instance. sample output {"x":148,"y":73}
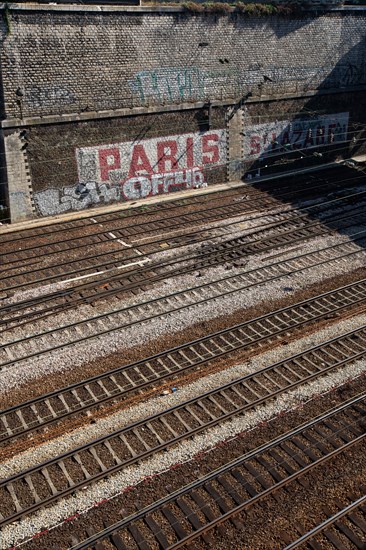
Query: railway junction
{"x":183,"y":330}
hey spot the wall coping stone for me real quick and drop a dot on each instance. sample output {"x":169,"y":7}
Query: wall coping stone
{"x":140,"y":9}
{"x":135,"y":111}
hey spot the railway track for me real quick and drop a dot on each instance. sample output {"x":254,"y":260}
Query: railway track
{"x":227,"y":251}
{"x":27,"y":491}
{"x":345,"y":529}
{"x":195,"y":510}
{"x":44,"y":342}
{"x":104,"y":237}
{"x":168,"y":365}
{"x":23,"y":312}
{"x":162,"y":208}
{"x":16,"y":279}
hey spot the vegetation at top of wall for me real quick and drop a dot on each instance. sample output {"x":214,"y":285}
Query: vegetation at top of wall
{"x":253,"y":9}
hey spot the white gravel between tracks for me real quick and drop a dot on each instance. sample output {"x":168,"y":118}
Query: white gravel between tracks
{"x":84,"y":352}
{"x":183,"y":451}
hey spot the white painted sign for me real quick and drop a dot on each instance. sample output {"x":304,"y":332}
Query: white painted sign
{"x":262,"y":140}
{"x":153,"y":166}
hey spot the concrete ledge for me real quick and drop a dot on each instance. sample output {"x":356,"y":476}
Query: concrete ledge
{"x":135,"y":111}
{"x":91,"y":8}
{"x":148,"y":9}
{"x":116,"y":207}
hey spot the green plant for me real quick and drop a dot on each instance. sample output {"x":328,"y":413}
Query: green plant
{"x":217,"y":7}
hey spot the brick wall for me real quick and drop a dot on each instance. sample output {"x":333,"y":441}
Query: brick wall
{"x":62,"y":61}
{"x":82,"y":89}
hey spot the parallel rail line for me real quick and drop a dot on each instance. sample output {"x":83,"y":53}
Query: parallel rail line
{"x":106,"y":455}
{"x":104,"y":236}
{"x":224,"y":251}
{"x":350,"y":523}
{"x":88,"y":293}
{"x":107,"y":323}
{"x":135,"y":377}
{"x":156,"y":210}
{"x":195,"y":510}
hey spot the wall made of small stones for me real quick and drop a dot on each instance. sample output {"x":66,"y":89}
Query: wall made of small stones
{"x":88,"y":63}
{"x":77,"y":61}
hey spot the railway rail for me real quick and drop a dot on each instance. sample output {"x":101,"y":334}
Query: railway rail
{"x":36,"y":487}
{"x":226,"y":251}
{"x":43,"y":306}
{"x":72,"y":333}
{"x":105,"y":237}
{"x":161,"y":209}
{"x":135,"y":377}
{"x":233,"y":248}
{"x":346,"y":527}
{"x":195,"y":510}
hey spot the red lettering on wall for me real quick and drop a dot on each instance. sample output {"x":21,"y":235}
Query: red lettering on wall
{"x":255,"y":145}
{"x":139,"y":162}
{"x":109,"y":159}
{"x":164,"y":157}
{"x":211,"y":148}
{"x":189,"y":150}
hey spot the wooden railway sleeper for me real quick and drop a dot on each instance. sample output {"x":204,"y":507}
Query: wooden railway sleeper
{"x":11,"y":490}
{"x":316,"y":443}
{"x":220,"y":502}
{"x":225,"y":483}
{"x":192,"y":517}
{"x":124,"y":440}
{"x":84,"y":470}
{"x":49,"y":481}
{"x":256,"y":475}
{"x":206,"y":510}
{"x":330,"y":439}
{"x":35,"y":495}
{"x":94,"y":453}
{"x":63,"y":468}
{"x":174,"y":522}
{"x":156,"y":529}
